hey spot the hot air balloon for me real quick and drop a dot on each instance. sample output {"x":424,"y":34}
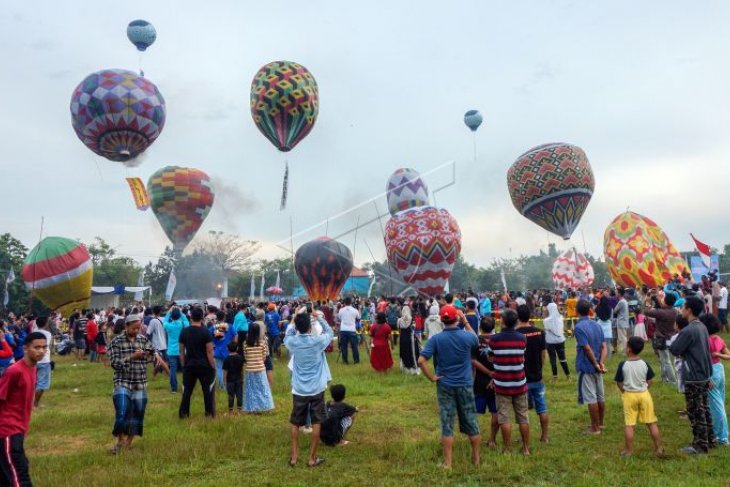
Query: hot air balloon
{"x":551,"y":185}
{"x":571,"y":270}
{"x":638,"y":252}
{"x":117,"y":114}
{"x":405,"y":189}
{"x":181,"y":198}
{"x":473,"y":119}
{"x":323,"y":266}
{"x":423,"y":245}
{"x":58,"y":271}
{"x":142,"y":34}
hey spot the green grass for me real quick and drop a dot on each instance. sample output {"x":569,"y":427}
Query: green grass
{"x":394,"y":440}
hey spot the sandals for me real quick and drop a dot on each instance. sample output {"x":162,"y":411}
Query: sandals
{"x":116,"y":449}
{"x":292,"y":462}
{"x":317,"y":462}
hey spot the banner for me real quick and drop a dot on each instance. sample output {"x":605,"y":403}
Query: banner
{"x":139,"y":193}
{"x":698,"y":267}
{"x":138,"y":296}
{"x":252,"y":296}
{"x":261,"y":292}
{"x":171,"y":283}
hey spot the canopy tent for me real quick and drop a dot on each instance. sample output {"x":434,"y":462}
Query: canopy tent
{"x":108,"y":296}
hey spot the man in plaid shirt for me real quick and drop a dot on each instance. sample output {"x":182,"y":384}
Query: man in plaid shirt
{"x":129,"y":354}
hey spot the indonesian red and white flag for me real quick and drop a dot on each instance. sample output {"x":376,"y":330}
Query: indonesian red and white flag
{"x":704,"y":250}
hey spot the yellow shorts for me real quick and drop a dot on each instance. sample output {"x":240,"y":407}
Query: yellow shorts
{"x":638,"y":406}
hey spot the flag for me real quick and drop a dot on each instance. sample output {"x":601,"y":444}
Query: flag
{"x":252,"y":296}
{"x":704,"y":250}
{"x":278,"y":280}
{"x":8,"y":280}
{"x":11,"y":276}
{"x":504,"y":279}
{"x":139,"y":193}
{"x":261,"y":292}
{"x":446,"y":287}
{"x":139,"y":295}
{"x":224,"y":291}
{"x":171,"y":282}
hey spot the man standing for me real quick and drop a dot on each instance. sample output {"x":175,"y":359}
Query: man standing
{"x":240,"y":323}
{"x":129,"y":354}
{"x":722,"y":307}
{"x":590,"y":355}
{"x":309,"y":377}
{"x":272,"y":319}
{"x":453,"y":349}
{"x":665,"y":317}
{"x":43,"y":367}
{"x":158,"y":337}
{"x":621,"y":312}
{"x":347,"y":317}
{"x":692,"y":344}
{"x":79,"y":335}
{"x":198,"y":364}
{"x":17,"y":387}
{"x":535,"y":353}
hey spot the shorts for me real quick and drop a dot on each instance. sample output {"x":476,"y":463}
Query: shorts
{"x":536,"y":394}
{"x":268,"y":364}
{"x":43,"y":377}
{"x":455,"y":401}
{"x":517,"y":403}
{"x":308,"y":405}
{"x":484,"y":403}
{"x":638,"y":405}
{"x":590,"y":388}
{"x":80,"y":344}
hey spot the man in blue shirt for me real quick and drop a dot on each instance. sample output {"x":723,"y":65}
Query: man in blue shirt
{"x":272,"y":319}
{"x":485,"y":307}
{"x":453,"y":350}
{"x":240,"y":324}
{"x":590,"y":355}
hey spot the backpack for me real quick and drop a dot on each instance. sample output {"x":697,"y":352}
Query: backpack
{"x":392,"y":316}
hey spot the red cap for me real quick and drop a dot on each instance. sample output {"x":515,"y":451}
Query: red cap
{"x":448,"y":314}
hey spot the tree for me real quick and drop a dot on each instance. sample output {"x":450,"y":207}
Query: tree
{"x":227,"y":253}
{"x":109,"y":269}
{"x":12,"y":256}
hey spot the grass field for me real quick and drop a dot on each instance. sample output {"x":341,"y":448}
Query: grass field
{"x":394,"y":440}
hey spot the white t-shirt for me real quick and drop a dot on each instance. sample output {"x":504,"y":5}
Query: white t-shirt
{"x":723,"y":298}
{"x":520,"y":301}
{"x":49,"y":341}
{"x":347,"y":316}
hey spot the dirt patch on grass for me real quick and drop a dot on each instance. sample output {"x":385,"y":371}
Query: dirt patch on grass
{"x":56,"y":445}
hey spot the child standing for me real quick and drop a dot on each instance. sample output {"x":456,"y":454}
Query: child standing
{"x":483,"y":371}
{"x":340,"y":417}
{"x":718,"y":350}
{"x":633,"y":377}
{"x":258,"y":398}
{"x":233,"y":377}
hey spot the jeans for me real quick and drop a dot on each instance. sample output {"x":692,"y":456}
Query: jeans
{"x":174,"y":361}
{"x":235,"y":391}
{"x":666,"y":363}
{"x":219,"y":372}
{"x":351,"y":338}
{"x":192,"y":374}
{"x":558,"y":349}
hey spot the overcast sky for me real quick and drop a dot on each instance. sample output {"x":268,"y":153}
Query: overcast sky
{"x":642,"y":87}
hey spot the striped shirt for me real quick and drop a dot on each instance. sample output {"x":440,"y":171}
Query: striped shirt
{"x":254,"y":358}
{"x":507,"y":350}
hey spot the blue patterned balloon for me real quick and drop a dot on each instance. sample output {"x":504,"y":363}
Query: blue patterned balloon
{"x":473,"y":119}
{"x":141,"y":33}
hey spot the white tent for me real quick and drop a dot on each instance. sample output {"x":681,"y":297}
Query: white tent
{"x":108,"y":296}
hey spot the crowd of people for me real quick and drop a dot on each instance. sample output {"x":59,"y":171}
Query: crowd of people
{"x":488,"y":352}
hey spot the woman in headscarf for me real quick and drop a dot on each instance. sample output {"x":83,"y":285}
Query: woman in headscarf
{"x":604,"y":313}
{"x":555,"y":339}
{"x":409,"y":347}
{"x":381,"y":358}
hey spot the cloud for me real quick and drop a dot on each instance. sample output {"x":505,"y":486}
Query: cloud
{"x":231,"y":203}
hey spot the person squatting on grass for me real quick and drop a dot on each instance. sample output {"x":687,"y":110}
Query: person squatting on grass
{"x":17,"y":390}
{"x":340,"y":418}
{"x":129,"y":354}
{"x":454,"y":349}
{"x":633,"y":378}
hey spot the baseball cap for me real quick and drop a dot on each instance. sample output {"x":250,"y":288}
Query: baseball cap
{"x":448,"y":313}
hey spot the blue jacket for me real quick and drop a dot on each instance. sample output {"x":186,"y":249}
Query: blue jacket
{"x":173,"y":329}
{"x":240,"y":323}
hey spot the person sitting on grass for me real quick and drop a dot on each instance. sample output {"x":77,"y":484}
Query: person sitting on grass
{"x":233,"y":377}
{"x":340,"y":417}
{"x":633,"y":378}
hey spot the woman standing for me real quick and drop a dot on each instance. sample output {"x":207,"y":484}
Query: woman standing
{"x":555,"y":339}
{"x":604,"y":313}
{"x":718,"y":350}
{"x":257,"y":395}
{"x":380,"y":357}
{"x":409,"y":346}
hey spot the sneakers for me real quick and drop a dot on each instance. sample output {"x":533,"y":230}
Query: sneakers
{"x":690,"y":450}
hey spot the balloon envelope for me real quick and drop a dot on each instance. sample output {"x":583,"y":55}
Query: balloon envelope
{"x":141,"y":33}
{"x":473,"y":119}
{"x":323,"y":265}
{"x":551,"y":185}
{"x":423,"y":245}
{"x":571,"y":270}
{"x":181,"y":198}
{"x":284,"y":103}
{"x":638,"y":252}
{"x":405,"y":189}
{"x":117,"y":114}
{"x":58,"y":271}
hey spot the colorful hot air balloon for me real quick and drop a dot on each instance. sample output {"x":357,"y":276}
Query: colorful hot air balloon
{"x":142,"y":34}
{"x":323,"y":265}
{"x":473,"y":119}
{"x":117,"y":114}
{"x":405,"y":189}
{"x":638,"y":252}
{"x":58,"y":271}
{"x":551,"y":185}
{"x":284,"y":103}
{"x":181,"y":198}
{"x":571,"y":270}
{"x":423,"y":245}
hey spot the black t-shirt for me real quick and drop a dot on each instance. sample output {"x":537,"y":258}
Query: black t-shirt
{"x":533,"y":352}
{"x":231,"y":316}
{"x":234,"y":365}
{"x":332,"y":432}
{"x":80,"y":328}
{"x":195,"y":339}
{"x":481,"y":380}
